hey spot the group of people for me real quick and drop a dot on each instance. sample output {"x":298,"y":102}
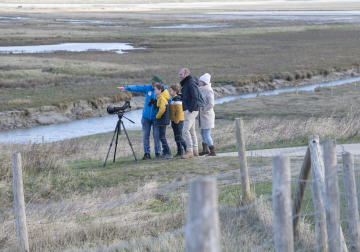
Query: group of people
{"x":179,"y":107}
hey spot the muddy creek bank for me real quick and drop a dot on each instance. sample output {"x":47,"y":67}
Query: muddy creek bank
{"x":85,"y":109}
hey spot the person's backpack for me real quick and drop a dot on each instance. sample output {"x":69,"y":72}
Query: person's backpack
{"x":201,"y":100}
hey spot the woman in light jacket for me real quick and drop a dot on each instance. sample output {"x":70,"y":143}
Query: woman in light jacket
{"x":207,"y":116}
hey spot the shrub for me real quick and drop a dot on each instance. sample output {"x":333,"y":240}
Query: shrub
{"x":298,"y":75}
{"x":308,"y":74}
{"x":315,"y":72}
{"x":255,"y":79}
{"x":264,"y":78}
{"x":27,"y":112}
{"x":324,"y":71}
{"x":123,"y":96}
{"x":271,"y":77}
{"x":303,"y":74}
{"x":343,"y":68}
{"x":62,"y":105}
{"x":238,"y":84}
{"x":277,"y":76}
{"x":287,"y":76}
{"x":246,"y":81}
{"x":97,"y":102}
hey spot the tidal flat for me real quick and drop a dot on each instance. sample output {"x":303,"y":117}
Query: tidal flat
{"x":239,"y":49}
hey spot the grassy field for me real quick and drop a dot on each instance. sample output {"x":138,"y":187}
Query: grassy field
{"x":74,"y":203}
{"x":343,"y":102}
{"x":231,"y":54}
{"x":84,"y":205}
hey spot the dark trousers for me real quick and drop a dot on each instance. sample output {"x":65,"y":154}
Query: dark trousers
{"x":180,"y":142}
{"x":162,"y":138}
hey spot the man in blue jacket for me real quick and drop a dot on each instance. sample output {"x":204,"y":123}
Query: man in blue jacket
{"x":148,"y":114}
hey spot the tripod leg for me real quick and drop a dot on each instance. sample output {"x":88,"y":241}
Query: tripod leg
{"x":115,"y":131}
{"x":129,"y":140}
{"x":117,"y":138}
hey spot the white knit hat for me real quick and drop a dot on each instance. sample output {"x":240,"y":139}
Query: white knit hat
{"x":205,"y":78}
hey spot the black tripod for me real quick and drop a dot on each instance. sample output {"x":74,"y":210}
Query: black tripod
{"x":117,"y":132}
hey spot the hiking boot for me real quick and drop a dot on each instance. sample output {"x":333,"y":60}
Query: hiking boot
{"x":212,"y":151}
{"x":146,"y":156}
{"x":196,"y":153}
{"x":157,"y":155}
{"x":178,"y":155}
{"x":166,"y":156}
{"x":188,"y":154}
{"x":205,"y":149}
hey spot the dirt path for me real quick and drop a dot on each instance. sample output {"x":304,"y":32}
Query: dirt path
{"x":295,"y":151}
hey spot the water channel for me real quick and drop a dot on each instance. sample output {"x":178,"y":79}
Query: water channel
{"x":104,"y":124}
{"x":70,"y":47}
{"x":191,"y":26}
{"x":73,"y":21}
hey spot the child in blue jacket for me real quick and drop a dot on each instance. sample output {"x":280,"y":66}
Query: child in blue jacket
{"x":148,"y":114}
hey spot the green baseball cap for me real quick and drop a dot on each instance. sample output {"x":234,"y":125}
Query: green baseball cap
{"x":156,"y":78}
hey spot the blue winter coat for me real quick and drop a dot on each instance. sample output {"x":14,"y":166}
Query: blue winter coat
{"x":148,"y":111}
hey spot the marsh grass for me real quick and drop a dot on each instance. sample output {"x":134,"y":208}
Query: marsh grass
{"x":75,"y":203}
{"x":343,"y":105}
{"x":244,"y":50}
{"x":113,"y":215}
{"x":82,"y":205}
{"x":20,"y":101}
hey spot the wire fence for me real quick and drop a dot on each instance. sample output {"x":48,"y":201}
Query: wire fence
{"x":75,"y":203}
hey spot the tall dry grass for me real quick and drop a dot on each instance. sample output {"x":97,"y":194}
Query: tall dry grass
{"x":69,"y":217}
{"x":112,"y":220}
{"x":20,"y":101}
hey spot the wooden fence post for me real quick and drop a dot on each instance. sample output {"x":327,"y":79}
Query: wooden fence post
{"x":19,"y":201}
{"x":320,"y":216}
{"x":351,"y":202}
{"x":332,"y":196}
{"x":357,"y":184}
{"x":300,"y":190}
{"x":281,"y":193}
{"x":202,"y":230}
{"x":318,"y":191}
{"x":244,"y":175}
{"x":318,"y":164}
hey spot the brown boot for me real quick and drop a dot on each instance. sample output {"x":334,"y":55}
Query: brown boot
{"x":196,"y":153}
{"x":188,"y":154}
{"x":212,"y":151}
{"x":205,"y":149}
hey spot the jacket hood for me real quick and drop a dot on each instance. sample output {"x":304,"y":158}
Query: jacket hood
{"x":177,"y":98}
{"x":207,"y":86}
{"x":185,"y":80}
{"x":165,"y":94}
